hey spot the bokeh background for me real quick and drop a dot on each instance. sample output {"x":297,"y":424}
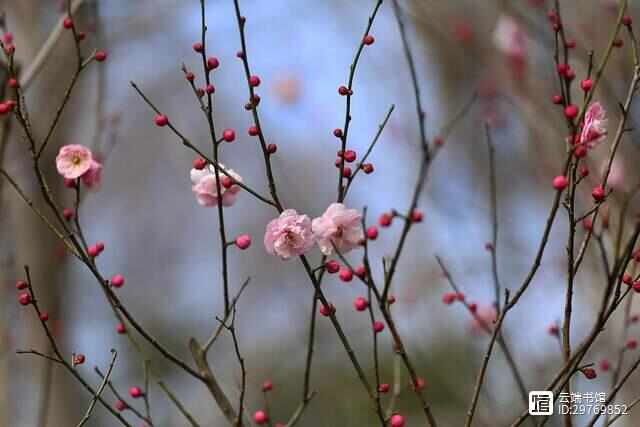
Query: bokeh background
{"x":167,"y":246}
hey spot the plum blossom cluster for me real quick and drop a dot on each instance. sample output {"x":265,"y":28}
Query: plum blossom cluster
{"x":76,"y":161}
{"x":293,"y":234}
{"x":205,"y":185}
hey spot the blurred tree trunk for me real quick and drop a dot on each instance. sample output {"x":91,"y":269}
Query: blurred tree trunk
{"x":25,"y":240}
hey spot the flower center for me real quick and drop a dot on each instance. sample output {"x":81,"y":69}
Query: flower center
{"x":76,"y":160}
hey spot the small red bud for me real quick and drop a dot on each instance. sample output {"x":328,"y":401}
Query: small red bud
{"x":598,"y":194}
{"x":378,"y":326}
{"x":260,"y":417}
{"x":586,"y":85}
{"x":199,"y":163}
{"x":93,"y":251}
{"x":562,"y":69}
{"x":346,"y":274}
{"x":367,"y":168}
{"x":100,"y":56}
{"x":397,"y":420}
{"x":360,"y":304}
{"x":584,"y":172}
{"x":67,"y":23}
{"x":198,"y":47}
{"x":253,"y":131}
{"x":243,"y":241}
{"x":560,"y":182}
{"x":44,"y":316}
{"x":326,"y":311}
{"x":272,"y":148}
{"x":212,"y":63}
{"x":419,"y":384}
{"x":368,"y":40}
{"x":227,"y":182}
{"x":570,"y":111}
{"x":385,"y":220}
{"x":161,"y":120}
{"x":589,"y":373}
{"x":135,"y":392}
{"x":120,"y":406}
{"x":580,"y":151}
{"x":229,"y":135}
{"x":68,"y":214}
{"x":372,"y":232}
{"x":449,"y":298}
{"x":332,"y":266}
{"x":254,"y":81}
{"x":350,"y":156}
{"x":24,"y":298}
{"x":416,"y":216}
{"x":117,"y":281}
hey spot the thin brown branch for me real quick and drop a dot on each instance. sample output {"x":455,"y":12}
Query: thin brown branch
{"x":87,"y":415}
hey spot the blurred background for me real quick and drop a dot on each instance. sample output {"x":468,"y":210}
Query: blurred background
{"x":166,"y":245}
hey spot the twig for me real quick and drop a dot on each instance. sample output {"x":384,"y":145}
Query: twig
{"x":87,"y":415}
{"x":485,"y":363}
{"x":119,"y":397}
{"x":241,"y":20}
{"x":212,"y":339}
{"x":299,"y":411}
{"x":381,"y":127}
{"x":215,"y":147}
{"x":494,"y":218}
{"x":178,"y":404}
{"x":349,"y":94}
{"x":60,"y":357}
{"x":46,"y":49}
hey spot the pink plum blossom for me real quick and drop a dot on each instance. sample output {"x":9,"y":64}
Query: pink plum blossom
{"x":339,"y":225}
{"x":73,"y":161}
{"x":91,"y":178}
{"x":593,"y":129}
{"x":510,"y":38}
{"x":205,"y":188}
{"x":485,"y":316}
{"x":289,"y":235}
